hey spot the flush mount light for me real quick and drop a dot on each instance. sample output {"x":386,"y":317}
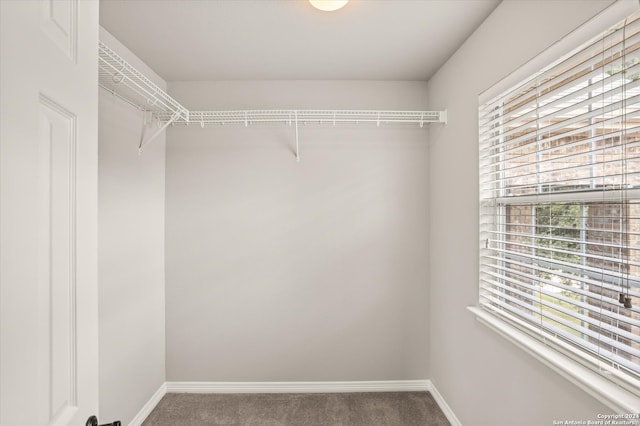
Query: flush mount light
{"x":328,"y":5}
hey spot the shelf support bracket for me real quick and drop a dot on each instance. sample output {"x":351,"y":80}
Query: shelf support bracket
{"x":297,"y":146}
{"x":144,"y":141}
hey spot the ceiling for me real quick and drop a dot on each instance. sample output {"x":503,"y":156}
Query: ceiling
{"x":193,"y":40}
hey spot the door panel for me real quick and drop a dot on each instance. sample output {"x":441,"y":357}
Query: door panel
{"x":57,"y":260}
{"x":60,"y":23}
{"x":48,"y":212}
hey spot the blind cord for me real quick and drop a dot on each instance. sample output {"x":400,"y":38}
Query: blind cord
{"x":624,"y":299}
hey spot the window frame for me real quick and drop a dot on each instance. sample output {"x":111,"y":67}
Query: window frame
{"x":613,"y":388}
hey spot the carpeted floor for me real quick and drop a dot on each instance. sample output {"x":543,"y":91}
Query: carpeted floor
{"x":309,"y":409}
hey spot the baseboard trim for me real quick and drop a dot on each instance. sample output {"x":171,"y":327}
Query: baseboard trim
{"x":298,"y":387}
{"x":149,"y":406}
{"x":448,"y":412}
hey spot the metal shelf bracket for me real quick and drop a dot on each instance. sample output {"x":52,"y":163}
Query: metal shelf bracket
{"x":297,"y":143}
{"x":144,"y":141}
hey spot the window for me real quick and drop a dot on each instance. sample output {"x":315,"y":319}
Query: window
{"x":560,"y":204}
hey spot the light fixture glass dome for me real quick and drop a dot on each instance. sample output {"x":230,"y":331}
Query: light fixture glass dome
{"x":328,"y":5}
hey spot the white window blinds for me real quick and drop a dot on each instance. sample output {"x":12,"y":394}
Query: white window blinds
{"x":560,"y":201}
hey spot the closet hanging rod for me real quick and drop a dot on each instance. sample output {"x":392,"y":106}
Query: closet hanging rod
{"x":247,"y":117}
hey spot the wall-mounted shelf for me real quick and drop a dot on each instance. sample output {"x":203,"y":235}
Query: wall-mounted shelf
{"x":121,"y":79}
{"x":124,"y":81}
{"x":248,"y":117}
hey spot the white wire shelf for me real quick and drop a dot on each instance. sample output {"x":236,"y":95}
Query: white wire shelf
{"x":248,"y":117}
{"x":120,"y":78}
{"x":124,"y":81}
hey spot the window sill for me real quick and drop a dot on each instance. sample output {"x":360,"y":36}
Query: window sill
{"x":620,"y":400}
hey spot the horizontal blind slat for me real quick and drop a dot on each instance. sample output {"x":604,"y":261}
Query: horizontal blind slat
{"x":502,"y":291}
{"x":608,"y":275}
{"x":585,"y":281}
{"x":508,"y":275}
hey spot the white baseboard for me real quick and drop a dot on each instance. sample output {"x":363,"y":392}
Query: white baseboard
{"x":448,"y":412}
{"x":298,"y":387}
{"x":149,"y":406}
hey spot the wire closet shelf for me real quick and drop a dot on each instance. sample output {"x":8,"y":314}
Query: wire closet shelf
{"x":124,"y":81}
{"x":248,"y":117}
{"x":120,"y":78}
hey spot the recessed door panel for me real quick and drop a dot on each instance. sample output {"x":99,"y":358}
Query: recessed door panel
{"x":57,"y":262}
{"x":60,"y":23}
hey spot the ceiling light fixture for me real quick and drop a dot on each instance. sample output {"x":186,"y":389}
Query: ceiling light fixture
{"x":328,"y":5}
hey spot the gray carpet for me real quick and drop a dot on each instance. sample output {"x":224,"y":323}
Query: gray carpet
{"x":310,"y":409}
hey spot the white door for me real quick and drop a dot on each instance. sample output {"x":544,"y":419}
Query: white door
{"x":48,"y":212}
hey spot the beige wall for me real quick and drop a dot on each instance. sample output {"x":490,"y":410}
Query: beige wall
{"x":485,"y":379}
{"x":285,"y":271}
{"x":131,"y":255}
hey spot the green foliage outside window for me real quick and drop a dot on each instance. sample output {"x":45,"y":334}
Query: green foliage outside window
{"x":558,"y":228}
{"x":627,"y":65}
